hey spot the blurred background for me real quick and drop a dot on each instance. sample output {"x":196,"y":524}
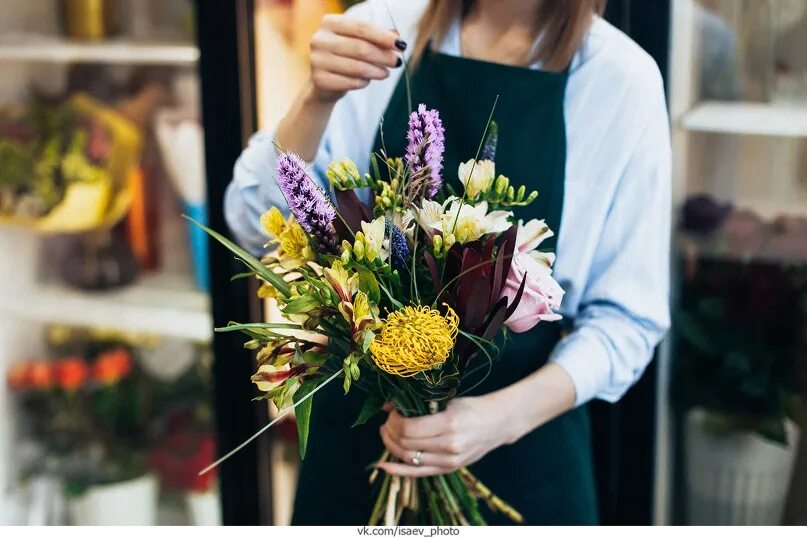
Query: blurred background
{"x":119,"y":116}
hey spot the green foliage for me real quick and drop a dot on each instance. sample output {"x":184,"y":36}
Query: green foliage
{"x":254,"y":263}
{"x":740,"y":332}
{"x":303,"y":413}
{"x":371,"y":406}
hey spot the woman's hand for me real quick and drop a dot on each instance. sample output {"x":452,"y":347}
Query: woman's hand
{"x":346,"y":54}
{"x":471,"y":427}
{"x":457,"y":437}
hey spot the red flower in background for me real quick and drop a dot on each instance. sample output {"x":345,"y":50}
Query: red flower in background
{"x":41,"y":375}
{"x":180,"y":457}
{"x":112,"y":366}
{"x":71,"y":373}
{"x":18,"y":376}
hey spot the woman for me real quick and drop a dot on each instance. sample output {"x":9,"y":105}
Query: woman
{"x":582,"y":119}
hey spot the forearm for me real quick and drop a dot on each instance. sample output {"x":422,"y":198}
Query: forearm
{"x":302,"y":128}
{"x":534,"y":400}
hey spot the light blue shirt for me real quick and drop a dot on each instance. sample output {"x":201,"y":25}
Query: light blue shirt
{"x":614,"y":242}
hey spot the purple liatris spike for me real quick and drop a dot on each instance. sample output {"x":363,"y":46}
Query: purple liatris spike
{"x":424,"y":151}
{"x":308,"y":203}
{"x":491,"y":141}
{"x":398,"y":247}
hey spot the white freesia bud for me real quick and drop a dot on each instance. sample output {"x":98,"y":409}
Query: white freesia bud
{"x":477,"y":176}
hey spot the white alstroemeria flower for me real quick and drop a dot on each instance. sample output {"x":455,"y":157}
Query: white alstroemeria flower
{"x":429,"y":215}
{"x":406,"y":222}
{"x":530,"y":236}
{"x":477,"y":176}
{"x":374,"y":239}
{"x":469,"y":223}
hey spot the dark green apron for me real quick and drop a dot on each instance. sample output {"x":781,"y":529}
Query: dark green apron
{"x":547,"y":475}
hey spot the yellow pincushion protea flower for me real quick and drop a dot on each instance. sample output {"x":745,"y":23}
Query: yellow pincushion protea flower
{"x":414,"y":339}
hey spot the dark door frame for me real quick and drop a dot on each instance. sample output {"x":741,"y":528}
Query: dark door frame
{"x":226,"y":70}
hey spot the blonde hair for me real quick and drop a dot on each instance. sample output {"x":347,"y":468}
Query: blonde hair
{"x":562,"y":25}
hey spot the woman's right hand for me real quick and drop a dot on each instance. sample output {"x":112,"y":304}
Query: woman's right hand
{"x":346,"y":54}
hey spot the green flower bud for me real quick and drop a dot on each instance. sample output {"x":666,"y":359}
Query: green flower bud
{"x":358,"y":249}
{"x":511,"y":193}
{"x":345,"y":256}
{"x":521,"y":190}
{"x":501,"y":184}
{"x":437,"y":244}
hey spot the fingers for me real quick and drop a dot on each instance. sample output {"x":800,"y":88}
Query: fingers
{"x":347,"y":67}
{"x":402,"y":469}
{"x":447,"y":462}
{"x":420,"y":427}
{"x":354,"y":48}
{"x":349,"y":27}
{"x":337,"y":83}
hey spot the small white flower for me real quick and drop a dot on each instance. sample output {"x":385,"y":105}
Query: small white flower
{"x":469,"y":223}
{"x":477,"y":176}
{"x":374,"y":239}
{"x":429,"y":216}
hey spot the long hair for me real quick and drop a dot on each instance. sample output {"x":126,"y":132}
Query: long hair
{"x":562,"y":25}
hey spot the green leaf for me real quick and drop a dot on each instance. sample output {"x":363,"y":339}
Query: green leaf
{"x":367,"y":340}
{"x":368,"y":284}
{"x":313,"y":358}
{"x":301,"y":305}
{"x":239,"y":276}
{"x":233,"y":327}
{"x":254,"y":263}
{"x":303,"y":414}
{"x":371,"y":406}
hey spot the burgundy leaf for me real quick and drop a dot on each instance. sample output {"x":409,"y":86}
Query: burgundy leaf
{"x":477,"y":305}
{"x":495,"y":320}
{"x":352,"y":210}
{"x":498,"y":275}
{"x":517,"y":299}
{"x":509,"y":245}
{"x":432,"y":265}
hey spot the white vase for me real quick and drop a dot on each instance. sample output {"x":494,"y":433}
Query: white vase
{"x":736,"y":479}
{"x":133,"y":502}
{"x":20,"y":271}
{"x":204,"y":508}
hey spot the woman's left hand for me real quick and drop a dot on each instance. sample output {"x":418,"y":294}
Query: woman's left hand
{"x":457,"y":437}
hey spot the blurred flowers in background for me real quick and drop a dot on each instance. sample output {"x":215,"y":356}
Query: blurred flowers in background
{"x":100,"y":418}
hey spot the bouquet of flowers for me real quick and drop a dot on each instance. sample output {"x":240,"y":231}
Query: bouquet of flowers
{"x":408,"y":290}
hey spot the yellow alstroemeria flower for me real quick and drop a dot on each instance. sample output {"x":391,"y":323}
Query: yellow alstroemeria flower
{"x":273,"y":223}
{"x":294,"y":248}
{"x":343,"y":283}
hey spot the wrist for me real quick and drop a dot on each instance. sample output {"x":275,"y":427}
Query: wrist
{"x":507,"y":417}
{"x":314,"y":97}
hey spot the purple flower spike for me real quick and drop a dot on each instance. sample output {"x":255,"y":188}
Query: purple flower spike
{"x":424,"y":152}
{"x":308,"y":203}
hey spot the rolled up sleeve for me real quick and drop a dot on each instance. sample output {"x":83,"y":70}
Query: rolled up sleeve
{"x":624,"y":308}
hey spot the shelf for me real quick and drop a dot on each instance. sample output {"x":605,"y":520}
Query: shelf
{"x":771,"y":209}
{"x":163,"y":305}
{"x":762,"y":119}
{"x":39,"y":48}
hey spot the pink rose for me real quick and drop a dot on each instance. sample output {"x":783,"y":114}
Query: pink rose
{"x":542,"y":294}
